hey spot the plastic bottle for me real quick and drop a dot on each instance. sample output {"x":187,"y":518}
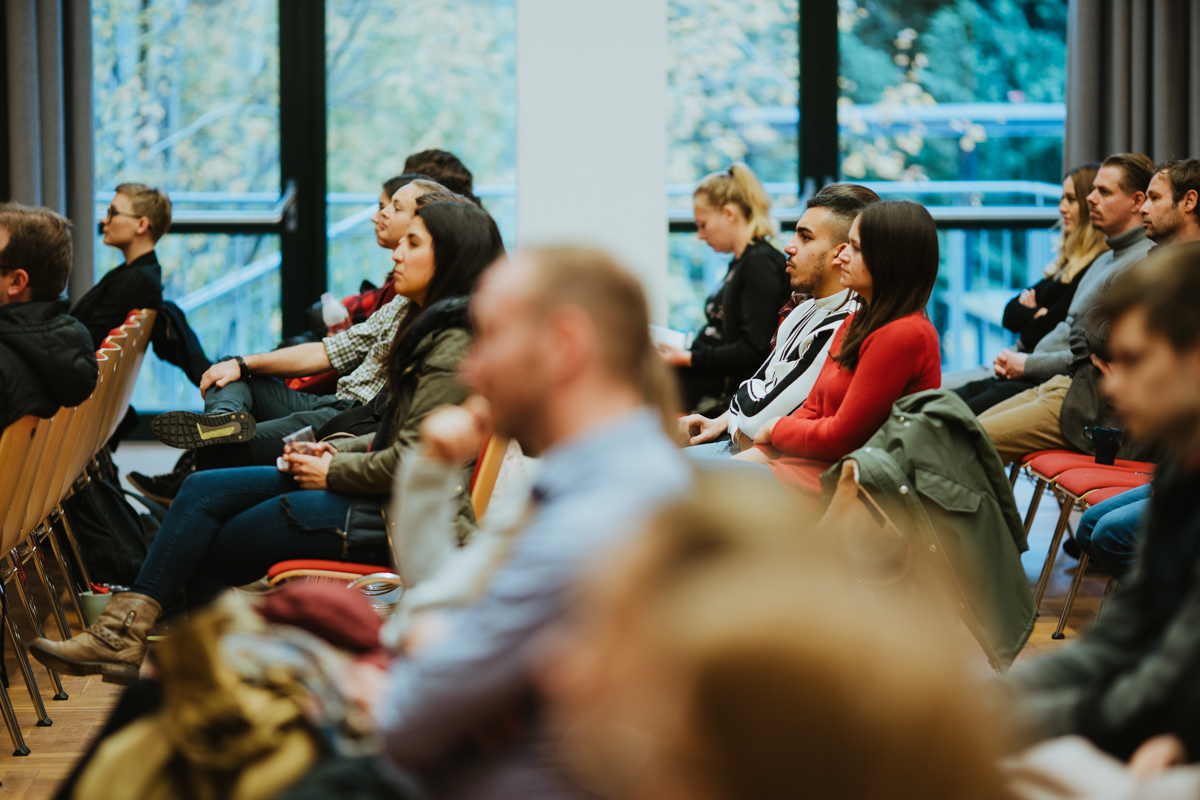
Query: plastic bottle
{"x":334,"y":314}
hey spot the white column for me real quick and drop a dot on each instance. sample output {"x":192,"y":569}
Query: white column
{"x":592,"y":131}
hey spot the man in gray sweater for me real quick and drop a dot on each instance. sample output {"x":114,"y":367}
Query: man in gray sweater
{"x":1030,"y":421}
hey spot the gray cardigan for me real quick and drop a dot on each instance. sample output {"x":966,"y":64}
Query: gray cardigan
{"x":1052,"y":356}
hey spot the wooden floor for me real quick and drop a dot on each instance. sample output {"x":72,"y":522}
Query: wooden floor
{"x":54,"y":750}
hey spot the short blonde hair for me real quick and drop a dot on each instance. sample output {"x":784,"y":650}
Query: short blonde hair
{"x":740,"y":186}
{"x":152,"y":203}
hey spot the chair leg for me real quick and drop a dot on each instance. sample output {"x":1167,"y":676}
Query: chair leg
{"x":1070,"y":601}
{"x":39,"y":564}
{"x":1048,"y":567}
{"x":61,"y":514}
{"x":1109,"y":590}
{"x":1038,"y":491}
{"x":56,"y":548}
{"x":27,"y":600}
{"x":1014,"y":471}
{"x":10,"y":715}
{"x":14,"y":638}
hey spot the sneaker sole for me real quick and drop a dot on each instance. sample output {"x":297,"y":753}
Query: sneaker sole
{"x":188,"y":430}
{"x":165,"y":502}
{"x":121,"y":674}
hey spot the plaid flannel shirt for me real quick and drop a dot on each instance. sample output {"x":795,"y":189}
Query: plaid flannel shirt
{"x":359,"y":353}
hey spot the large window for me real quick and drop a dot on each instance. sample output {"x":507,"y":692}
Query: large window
{"x":404,"y":77}
{"x":732,"y":95}
{"x":187,"y":99}
{"x":960,"y":103}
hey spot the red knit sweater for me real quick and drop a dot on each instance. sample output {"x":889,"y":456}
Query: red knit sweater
{"x":845,"y":408}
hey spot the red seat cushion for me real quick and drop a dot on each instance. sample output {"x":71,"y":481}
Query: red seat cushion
{"x":1080,"y":481}
{"x":1100,"y":495}
{"x":1053,"y":463}
{"x":327,"y":566}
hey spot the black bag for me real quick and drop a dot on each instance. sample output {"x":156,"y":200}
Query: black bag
{"x":175,"y":342}
{"x":357,"y":421}
{"x":113,"y":538}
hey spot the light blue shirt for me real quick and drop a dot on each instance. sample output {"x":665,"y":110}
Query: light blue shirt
{"x":594,"y":491}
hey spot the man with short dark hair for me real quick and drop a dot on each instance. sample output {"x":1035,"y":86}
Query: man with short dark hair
{"x":818,"y":307}
{"x":138,"y":216}
{"x":1133,"y":675}
{"x":46,"y":356}
{"x":1171,"y":213}
{"x":1030,"y":421}
{"x":445,"y":168}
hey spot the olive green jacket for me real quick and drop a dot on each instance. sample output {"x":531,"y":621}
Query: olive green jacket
{"x":430,"y":382}
{"x":962,"y":515}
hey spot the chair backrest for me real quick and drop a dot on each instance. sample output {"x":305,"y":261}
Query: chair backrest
{"x":83,"y":431}
{"x":16,"y":444}
{"x":43,"y":491}
{"x":133,"y":352}
{"x":487,"y":469}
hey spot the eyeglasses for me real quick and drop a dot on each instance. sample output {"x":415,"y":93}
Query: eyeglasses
{"x":112,"y":212}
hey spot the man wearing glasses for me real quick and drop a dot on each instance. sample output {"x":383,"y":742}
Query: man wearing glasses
{"x":137,"y":218}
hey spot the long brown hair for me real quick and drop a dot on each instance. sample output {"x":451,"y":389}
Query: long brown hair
{"x":899,"y":245}
{"x":1081,"y":246}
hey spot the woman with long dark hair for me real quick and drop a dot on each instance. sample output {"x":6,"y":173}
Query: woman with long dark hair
{"x":227,"y":527}
{"x":884,"y":351}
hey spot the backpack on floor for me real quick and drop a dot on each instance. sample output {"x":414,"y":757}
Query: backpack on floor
{"x":113,"y":538}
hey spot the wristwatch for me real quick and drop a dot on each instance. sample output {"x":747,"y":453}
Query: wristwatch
{"x":242,"y":368}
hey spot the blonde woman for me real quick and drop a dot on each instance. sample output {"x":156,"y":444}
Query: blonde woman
{"x":733,"y":216}
{"x":1037,"y":310}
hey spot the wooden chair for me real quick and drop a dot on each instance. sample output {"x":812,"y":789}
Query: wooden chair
{"x":884,"y":553}
{"x":374,"y":580}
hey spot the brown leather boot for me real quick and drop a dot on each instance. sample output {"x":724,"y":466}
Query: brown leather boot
{"x":113,"y":648}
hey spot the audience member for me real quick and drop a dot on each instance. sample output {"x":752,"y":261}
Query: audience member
{"x":733,"y":216}
{"x":1033,"y":419}
{"x":1171,"y":213}
{"x":137,"y":218}
{"x":1039,"y":309}
{"x":563,"y":360}
{"x":1132,"y":676}
{"x":819,"y":306}
{"x":247,"y":409}
{"x":886,"y":350}
{"x":714,"y":660}
{"x":46,"y":356}
{"x":445,"y":168}
{"x":227,"y":527}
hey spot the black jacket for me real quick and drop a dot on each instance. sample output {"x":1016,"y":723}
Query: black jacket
{"x":128,"y":287}
{"x":46,"y":360}
{"x":1052,"y":295}
{"x":743,"y":315}
{"x":1136,"y":673}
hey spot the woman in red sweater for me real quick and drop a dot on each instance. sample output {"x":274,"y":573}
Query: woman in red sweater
{"x":886,"y":350}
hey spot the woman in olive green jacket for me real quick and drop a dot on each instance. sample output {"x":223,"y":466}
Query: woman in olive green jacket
{"x":227,"y":527}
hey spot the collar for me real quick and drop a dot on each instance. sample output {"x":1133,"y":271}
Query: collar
{"x":144,"y":260}
{"x":580,"y":458}
{"x":833,"y":301}
{"x":1127,"y":239}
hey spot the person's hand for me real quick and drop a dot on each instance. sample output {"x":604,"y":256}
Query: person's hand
{"x":1009,"y":364}
{"x":311,"y":472}
{"x":309,"y":448}
{"x":1156,"y":755}
{"x":1027,"y":298}
{"x":1041,"y":312}
{"x":1102,"y":365}
{"x":455,"y":434}
{"x":220,"y":374}
{"x":674,"y":356}
{"x":700,"y":429}
{"x":763,"y":434}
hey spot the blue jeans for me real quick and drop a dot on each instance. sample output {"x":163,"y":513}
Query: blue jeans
{"x":227,"y":527}
{"x":1108,"y":531}
{"x":717,"y":456}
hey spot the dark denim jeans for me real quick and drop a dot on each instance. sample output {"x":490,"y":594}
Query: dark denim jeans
{"x":278,"y":410}
{"x":227,"y":527}
{"x":1108,"y":531}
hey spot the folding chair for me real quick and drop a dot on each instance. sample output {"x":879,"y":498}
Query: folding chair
{"x":1071,"y":485}
{"x":856,"y":517}
{"x":1088,"y":500}
{"x":1046,"y":465}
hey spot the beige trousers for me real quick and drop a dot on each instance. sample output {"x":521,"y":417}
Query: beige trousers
{"x":1028,"y":422}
